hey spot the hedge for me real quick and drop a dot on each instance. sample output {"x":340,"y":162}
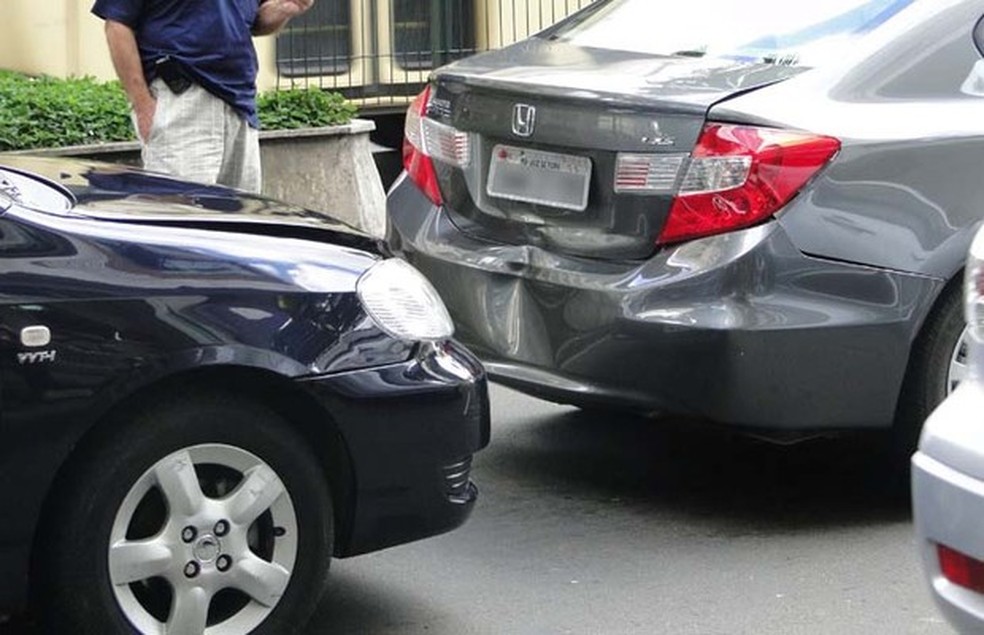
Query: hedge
{"x":48,"y":112}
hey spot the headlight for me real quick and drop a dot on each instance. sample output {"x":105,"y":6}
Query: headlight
{"x":403,"y":303}
{"x":974,"y":289}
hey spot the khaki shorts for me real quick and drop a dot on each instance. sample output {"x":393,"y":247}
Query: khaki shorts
{"x":198,"y":137}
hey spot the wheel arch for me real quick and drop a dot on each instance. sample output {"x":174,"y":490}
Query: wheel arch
{"x":298,"y":408}
{"x":953,"y":286}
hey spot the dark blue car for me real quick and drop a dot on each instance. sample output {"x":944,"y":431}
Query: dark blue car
{"x":204,"y":396}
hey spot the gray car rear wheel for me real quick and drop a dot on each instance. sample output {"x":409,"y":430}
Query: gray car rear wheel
{"x":210,"y":516}
{"x":937,"y":365}
{"x":959,"y":364}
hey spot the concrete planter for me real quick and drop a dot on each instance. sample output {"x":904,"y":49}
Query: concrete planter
{"x":324,"y":169}
{"x":329,"y":169}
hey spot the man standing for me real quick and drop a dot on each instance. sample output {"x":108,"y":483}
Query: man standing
{"x":189,"y":70}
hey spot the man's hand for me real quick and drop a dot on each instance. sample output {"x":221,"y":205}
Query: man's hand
{"x":145,"y":112}
{"x":274,"y":14}
{"x":126,"y":59}
{"x":290,"y":8}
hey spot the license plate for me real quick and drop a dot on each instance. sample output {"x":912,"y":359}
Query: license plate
{"x":534,"y":176}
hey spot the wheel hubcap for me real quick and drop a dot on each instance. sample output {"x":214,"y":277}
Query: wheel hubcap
{"x":207,"y":549}
{"x":204,"y":542}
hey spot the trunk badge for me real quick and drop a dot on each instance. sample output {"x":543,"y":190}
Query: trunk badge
{"x":523,"y":120}
{"x":658,"y":138}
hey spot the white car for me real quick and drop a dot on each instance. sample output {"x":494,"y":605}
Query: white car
{"x":948,"y":476}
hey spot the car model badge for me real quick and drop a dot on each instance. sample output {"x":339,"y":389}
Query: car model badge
{"x":523,"y":120}
{"x":658,"y":138}
{"x":36,"y":357}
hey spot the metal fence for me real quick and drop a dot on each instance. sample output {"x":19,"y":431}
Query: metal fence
{"x":379,"y":52}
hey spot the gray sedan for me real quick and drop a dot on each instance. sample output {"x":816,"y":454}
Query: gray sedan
{"x":753,"y":213}
{"x":948,"y":479}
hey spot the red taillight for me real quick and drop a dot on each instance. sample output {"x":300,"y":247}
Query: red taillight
{"x":961,"y":569}
{"x":740,"y":175}
{"x":418,"y":165}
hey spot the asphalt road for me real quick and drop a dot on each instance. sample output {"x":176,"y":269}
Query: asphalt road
{"x":597,"y":524}
{"x":602,"y":524}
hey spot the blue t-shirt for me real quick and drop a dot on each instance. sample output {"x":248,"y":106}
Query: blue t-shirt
{"x":210,"y":37}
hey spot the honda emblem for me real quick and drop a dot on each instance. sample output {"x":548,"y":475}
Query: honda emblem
{"x":523,"y":120}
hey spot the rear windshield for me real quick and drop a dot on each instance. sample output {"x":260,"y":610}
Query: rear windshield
{"x":791,"y":32}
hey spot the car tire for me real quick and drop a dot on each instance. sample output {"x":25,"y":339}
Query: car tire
{"x":137,"y":541}
{"x":931,"y":376}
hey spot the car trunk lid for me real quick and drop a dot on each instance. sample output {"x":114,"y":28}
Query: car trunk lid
{"x":577,"y":150}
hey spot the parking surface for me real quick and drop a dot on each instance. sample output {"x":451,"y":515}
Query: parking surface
{"x":607,"y":524}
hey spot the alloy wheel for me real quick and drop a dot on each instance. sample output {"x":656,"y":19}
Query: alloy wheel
{"x":205,"y":541}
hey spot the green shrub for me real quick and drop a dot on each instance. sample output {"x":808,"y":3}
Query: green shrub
{"x":302,"y":108}
{"x":37,"y":112}
{"x":46,"y":112}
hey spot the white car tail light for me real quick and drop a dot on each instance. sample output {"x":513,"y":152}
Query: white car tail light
{"x":740,"y":175}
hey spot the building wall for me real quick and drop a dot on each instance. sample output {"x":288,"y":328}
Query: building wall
{"x":62,"y":38}
{"x":55,"y":37}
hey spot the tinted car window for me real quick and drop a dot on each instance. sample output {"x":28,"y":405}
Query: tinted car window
{"x":777,"y":31}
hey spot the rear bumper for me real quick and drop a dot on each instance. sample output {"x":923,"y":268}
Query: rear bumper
{"x":741,"y":328}
{"x":948,"y":499}
{"x":410,"y":431}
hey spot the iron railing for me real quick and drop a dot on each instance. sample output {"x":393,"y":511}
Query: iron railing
{"x":379,"y":52}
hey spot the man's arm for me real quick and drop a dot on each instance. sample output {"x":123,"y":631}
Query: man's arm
{"x":274,"y":14}
{"x":126,"y":60}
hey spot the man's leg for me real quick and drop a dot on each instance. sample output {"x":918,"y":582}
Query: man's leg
{"x":241,"y":166}
{"x":186,"y":139}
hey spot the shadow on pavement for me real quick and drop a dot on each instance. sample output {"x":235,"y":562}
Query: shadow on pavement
{"x":688,"y":468}
{"x":355,"y":604}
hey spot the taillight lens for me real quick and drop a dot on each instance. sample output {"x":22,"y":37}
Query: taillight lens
{"x":426,"y":139}
{"x":740,"y":175}
{"x":647,"y":173}
{"x":961,"y":569}
{"x":418,"y":165}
